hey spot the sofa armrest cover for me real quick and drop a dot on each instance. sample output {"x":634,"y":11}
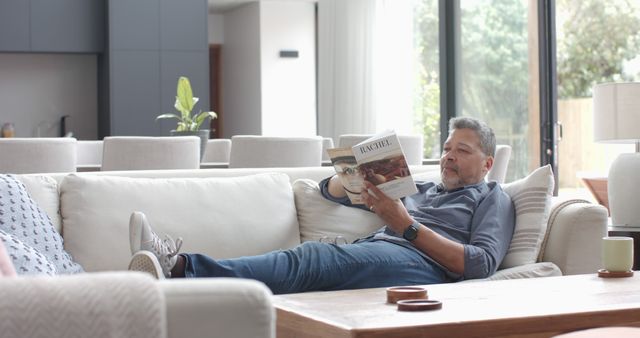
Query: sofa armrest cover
{"x":574,"y":236}
{"x":218,"y":307}
{"x":105,"y":304}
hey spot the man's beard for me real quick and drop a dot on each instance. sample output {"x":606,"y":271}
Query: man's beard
{"x":448,"y":181}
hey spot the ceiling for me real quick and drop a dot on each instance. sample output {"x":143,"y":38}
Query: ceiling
{"x":221,"y":6}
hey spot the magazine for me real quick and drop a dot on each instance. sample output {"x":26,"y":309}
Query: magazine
{"x":379,"y":160}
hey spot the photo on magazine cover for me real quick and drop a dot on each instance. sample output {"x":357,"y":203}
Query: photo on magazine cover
{"x":385,"y":170}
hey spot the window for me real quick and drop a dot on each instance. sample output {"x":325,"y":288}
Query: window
{"x":496,"y":83}
{"x":597,"y":42}
{"x":426,"y":106}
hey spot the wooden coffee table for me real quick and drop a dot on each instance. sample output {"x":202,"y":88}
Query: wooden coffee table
{"x":536,"y":307}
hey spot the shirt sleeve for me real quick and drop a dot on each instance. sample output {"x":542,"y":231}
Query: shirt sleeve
{"x":324,"y":189}
{"x":491,"y":231}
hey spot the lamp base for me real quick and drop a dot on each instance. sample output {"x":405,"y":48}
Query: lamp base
{"x":624,"y":190}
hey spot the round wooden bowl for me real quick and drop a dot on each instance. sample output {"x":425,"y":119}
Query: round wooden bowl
{"x":396,"y":293}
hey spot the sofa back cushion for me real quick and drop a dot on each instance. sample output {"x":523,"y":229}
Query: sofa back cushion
{"x":320,"y":217}
{"x":220,"y":217}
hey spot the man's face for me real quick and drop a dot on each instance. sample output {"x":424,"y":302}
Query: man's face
{"x":463,"y":162}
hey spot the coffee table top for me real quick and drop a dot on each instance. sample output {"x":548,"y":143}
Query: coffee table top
{"x":483,"y":308}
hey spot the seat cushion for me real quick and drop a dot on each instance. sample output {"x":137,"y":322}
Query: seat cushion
{"x":220,"y":217}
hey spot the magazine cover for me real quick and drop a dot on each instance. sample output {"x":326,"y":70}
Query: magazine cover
{"x":347,"y":169}
{"x":379,"y":160}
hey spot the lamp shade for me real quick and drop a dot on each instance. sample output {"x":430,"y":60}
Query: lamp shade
{"x":616,"y":112}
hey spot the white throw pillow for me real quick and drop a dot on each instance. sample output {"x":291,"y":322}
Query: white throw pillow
{"x":531,"y":197}
{"x":220,"y":217}
{"x":44,"y":191}
{"x":319,"y":217}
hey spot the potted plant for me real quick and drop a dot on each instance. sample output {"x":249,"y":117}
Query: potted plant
{"x":188,"y":123}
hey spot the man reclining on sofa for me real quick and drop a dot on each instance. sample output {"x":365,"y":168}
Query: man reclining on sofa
{"x":459,"y":229}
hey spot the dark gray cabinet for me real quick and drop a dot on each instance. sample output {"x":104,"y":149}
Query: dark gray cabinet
{"x":70,"y":26}
{"x":151,"y":43}
{"x":134,"y":25}
{"x":65,"y":26}
{"x":184,"y":25}
{"x":135,"y":98}
{"x":14,"y":26}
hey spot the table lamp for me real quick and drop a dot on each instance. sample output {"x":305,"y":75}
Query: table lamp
{"x":616,"y":119}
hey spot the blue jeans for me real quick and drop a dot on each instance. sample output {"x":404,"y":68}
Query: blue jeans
{"x":314,"y":266}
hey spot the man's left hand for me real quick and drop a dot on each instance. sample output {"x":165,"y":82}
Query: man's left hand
{"x":391,"y":211}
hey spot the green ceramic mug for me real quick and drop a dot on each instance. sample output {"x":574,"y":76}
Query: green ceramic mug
{"x":617,"y":253}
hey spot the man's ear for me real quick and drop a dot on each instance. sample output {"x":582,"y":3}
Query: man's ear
{"x":488,"y":164}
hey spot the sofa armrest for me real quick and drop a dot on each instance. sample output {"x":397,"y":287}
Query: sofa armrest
{"x":104,"y":304}
{"x":218,"y":307}
{"x":574,"y":236}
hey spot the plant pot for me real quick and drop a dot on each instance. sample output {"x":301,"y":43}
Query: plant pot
{"x":203,"y":134}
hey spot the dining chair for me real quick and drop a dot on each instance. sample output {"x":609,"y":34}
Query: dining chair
{"x":37,"y":155}
{"x":498,"y":172}
{"x":327,"y":143}
{"x":218,"y":150}
{"x":148,"y":153}
{"x":253,"y":151}
{"x":89,"y":153}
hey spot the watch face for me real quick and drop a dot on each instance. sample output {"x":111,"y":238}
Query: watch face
{"x":410,"y":233}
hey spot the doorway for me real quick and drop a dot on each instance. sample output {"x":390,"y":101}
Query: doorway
{"x":215,"y":89}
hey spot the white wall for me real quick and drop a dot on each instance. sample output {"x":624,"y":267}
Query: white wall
{"x":288,"y":84}
{"x":216,"y":28}
{"x":241,"y":94}
{"x":37,"y":89}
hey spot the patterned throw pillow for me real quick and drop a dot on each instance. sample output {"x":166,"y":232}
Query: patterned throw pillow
{"x":23,"y":219}
{"x":6,"y":265}
{"x":531,"y":198}
{"x":25,"y":259}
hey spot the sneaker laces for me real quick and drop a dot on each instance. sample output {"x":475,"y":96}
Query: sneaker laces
{"x":166,"y":247}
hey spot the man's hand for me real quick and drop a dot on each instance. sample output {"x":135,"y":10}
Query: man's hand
{"x":391,"y":211}
{"x":396,"y":216}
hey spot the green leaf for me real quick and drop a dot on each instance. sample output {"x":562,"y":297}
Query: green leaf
{"x":168,"y":116}
{"x":203,"y":116}
{"x":184,"y":95}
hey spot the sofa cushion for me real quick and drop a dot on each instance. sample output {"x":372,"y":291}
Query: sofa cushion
{"x":220,"y":217}
{"x":22,"y":218}
{"x":320,"y":217}
{"x":24,"y":258}
{"x":531,"y":198}
{"x":535,"y":270}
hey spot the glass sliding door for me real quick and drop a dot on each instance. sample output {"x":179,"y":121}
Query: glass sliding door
{"x":497,"y":75}
{"x":426,"y":105}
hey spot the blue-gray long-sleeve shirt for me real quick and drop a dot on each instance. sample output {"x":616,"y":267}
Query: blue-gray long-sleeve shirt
{"x":481,"y":217}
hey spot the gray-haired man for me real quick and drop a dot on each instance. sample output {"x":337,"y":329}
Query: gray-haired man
{"x":459,"y":229}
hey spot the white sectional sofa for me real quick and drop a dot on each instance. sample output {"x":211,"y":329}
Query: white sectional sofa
{"x":234,"y":212}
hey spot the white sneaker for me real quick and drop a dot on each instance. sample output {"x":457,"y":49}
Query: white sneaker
{"x":143,"y":238}
{"x":146,"y":261}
